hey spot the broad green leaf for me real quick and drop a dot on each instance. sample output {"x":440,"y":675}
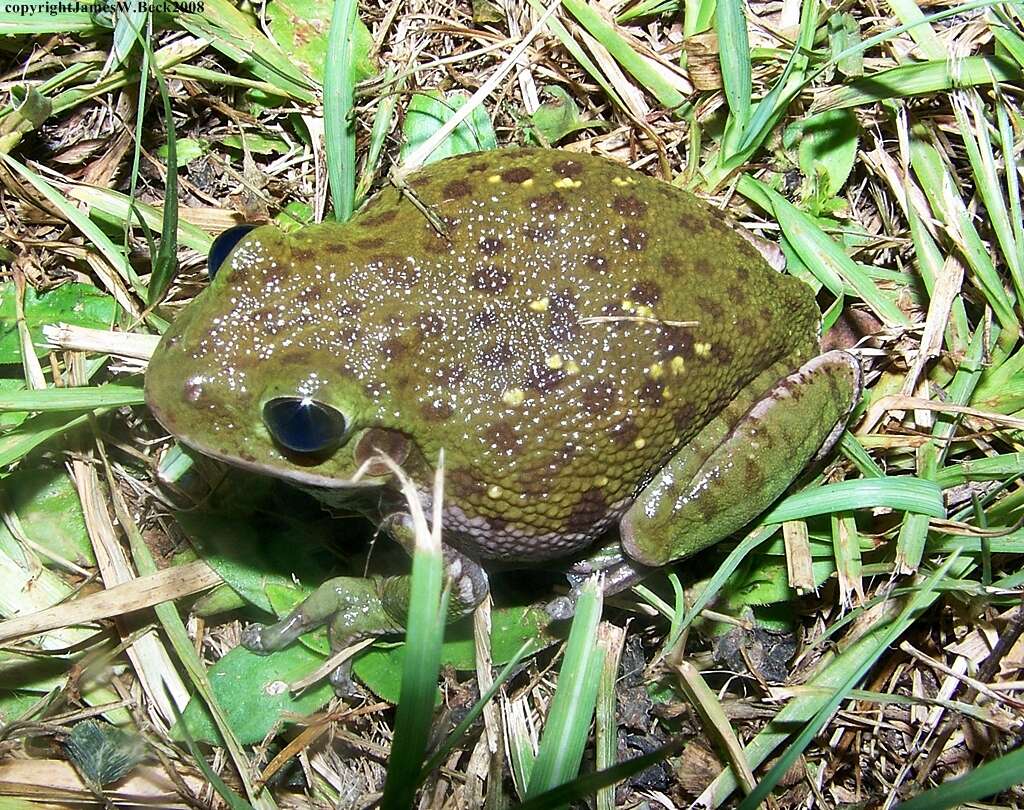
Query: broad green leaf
{"x":50,"y":512}
{"x":253,"y":692}
{"x":428,"y":112}
{"x":300,"y":28}
{"x":188,"y":149}
{"x":77,"y":304}
{"x":560,"y":117}
{"x":826,"y":147}
{"x":255,"y":143}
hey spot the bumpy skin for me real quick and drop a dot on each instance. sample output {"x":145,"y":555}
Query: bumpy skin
{"x":573,"y":326}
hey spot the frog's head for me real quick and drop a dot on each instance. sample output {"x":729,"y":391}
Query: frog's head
{"x":238,"y":377}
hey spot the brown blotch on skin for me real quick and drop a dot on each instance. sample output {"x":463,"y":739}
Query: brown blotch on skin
{"x":376,"y":441}
{"x":624,"y":432}
{"x":538,"y":233}
{"x":650,"y":393}
{"x":452,"y":374}
{"x":596,"y":399}
{"x":541,"y":378}
{"x":723,"y":354}
{"x":496,"y":356}
{"x":303,"y":254}
{"x":502,"y":436}
{"x":753,"y":475}
{"x":588,"y":511}
{"x":635,"y":238}
{"x":346,"y":309}
{"x":737,"y":295}
{"x":484,"y":319}
{"x":311,"y":294}
{"x":683,"y":417}
{"x":245,"y":455}
{"x":490,"y":246}
{"x":568,"y":168}
{"x":492,"y":278}
{"x":629,"y":206}
{"x":437,"y":411}
{"x":673,"y":267}
{"x":550,"y":203}
{"x":595,"y":263}
{"x":517,"y":174}
{"x":398,"y":347}
{"x":456,"y":189}
{"x":463,"y":482}
{"x":645,"y":292}
{"x":478,"y":168}
{"x":429,"y":324}
{"x":371,"y":243}
{"x":399,"y":272}
{"x":383,"y":218}
{"x":710,"y":307}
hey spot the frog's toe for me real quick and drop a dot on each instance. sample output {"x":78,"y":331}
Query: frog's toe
{"x":562,"y":608}
{"x":252,"y":639}
{"x":342,"y":682}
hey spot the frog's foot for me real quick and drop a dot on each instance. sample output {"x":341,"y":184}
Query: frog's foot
{"x":618,"y":573}
{"x":743,"y":459}
{"x":358,"y":607}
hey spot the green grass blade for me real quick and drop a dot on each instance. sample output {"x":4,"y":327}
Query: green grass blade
{"x":734,"y":56}
{"x":986,"y":780}
{"x":818,"y":250}
{"x":54,"y":400}
{"x":646,"y":76}
{"x":339,"y":92}
{"x":165,"y":263}
{"x":919,"y":79}
{"x":425,"y":625}
{"x":560,"y":751}
{"x":904,"y":493}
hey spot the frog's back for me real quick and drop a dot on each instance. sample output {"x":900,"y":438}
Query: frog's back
{"x":574,"y":323}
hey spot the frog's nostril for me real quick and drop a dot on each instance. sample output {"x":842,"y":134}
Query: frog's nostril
{"x":223,"y":245}
{"x":303,"y":425}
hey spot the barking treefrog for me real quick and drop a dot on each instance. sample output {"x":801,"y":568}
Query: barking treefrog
{"x":592,"y":349}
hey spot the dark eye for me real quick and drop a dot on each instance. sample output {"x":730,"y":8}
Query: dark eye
{"x":303,"y":425}
{"x":223,"y":245}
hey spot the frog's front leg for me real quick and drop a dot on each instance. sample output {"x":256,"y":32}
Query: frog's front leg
{"x":743,"y":459}
{"x":358,"y":607}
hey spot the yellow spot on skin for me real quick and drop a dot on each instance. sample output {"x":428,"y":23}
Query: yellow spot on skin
{"x":540,"y":305}
{"x":656,"y":371}
{"x":640,"y":443}
{"x":666,"y":394}
{"x":513,"y":397}
{"x":619,"y":181}
{"x":627,"y":305}
{"x":572,"y":368}
{"x":527,"y":182}
{"x":675,"y":442}
{"x":702,"y":349}
{"x":644,"y":311}
{"x":493,"y":491}
{"x":677,"y":364}
{"x":494,"y":178}
{"x":554,"y":362}
{"x":601,"y":481}
{"x":568,"y":182}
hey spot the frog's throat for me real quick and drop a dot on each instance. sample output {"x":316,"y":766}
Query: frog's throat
{"x":299,"y":477}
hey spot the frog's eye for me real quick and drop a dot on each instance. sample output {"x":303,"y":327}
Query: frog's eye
{"x":302,"y":424}
{"x":223,"y":245}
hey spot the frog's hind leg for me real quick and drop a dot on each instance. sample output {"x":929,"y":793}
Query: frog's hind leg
{"x":743,"y":459}
{"x":358,"y":607}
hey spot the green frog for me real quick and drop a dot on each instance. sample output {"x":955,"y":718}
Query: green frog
{"x":591,"y":349}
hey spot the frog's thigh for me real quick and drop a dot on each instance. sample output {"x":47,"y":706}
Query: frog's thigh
{"x":742,"y":460}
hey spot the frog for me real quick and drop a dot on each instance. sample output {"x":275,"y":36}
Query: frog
{"x":611,"y":370}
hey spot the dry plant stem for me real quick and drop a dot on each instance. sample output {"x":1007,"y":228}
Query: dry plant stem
{"x":988,"y":669}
